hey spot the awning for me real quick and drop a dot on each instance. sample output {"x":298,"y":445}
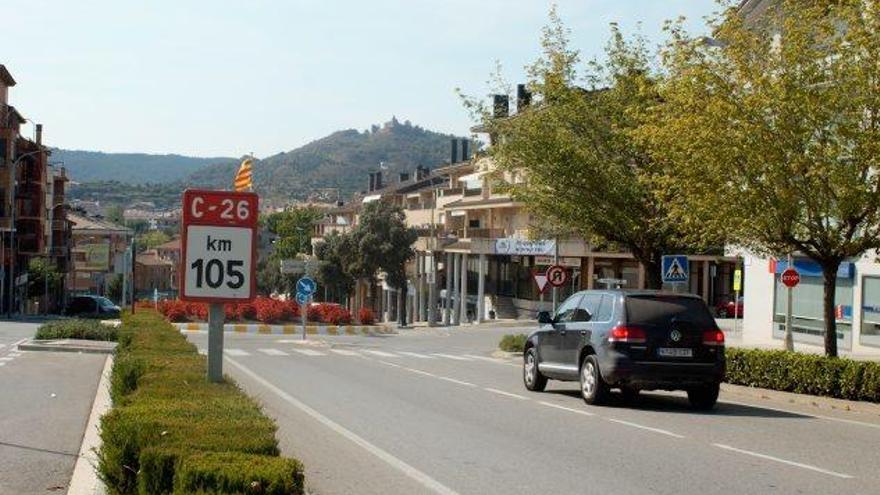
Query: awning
{"x":472,"y":177}
{"x":371,"y":198}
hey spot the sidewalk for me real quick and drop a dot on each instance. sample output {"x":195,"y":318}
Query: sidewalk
{"x":47,"y":399}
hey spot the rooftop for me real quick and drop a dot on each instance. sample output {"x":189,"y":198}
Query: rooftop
{"x":5,"y":76}
{"x":82,"y":223}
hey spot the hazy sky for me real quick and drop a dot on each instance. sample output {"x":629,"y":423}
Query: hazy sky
{"x":224,"y":77}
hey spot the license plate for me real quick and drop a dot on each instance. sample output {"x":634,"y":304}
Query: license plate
{"x":675,"y":352}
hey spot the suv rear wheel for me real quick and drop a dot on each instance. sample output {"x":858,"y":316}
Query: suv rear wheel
{"x":532,"y":378}
{"x":705,"y":397}
{"x":594,"y":390}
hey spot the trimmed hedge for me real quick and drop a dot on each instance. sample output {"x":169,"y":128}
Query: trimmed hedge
{"x":804,"y":373}
{"x":513,"y":342}
{"x":170,"y":431}
{"x":76,"y":329}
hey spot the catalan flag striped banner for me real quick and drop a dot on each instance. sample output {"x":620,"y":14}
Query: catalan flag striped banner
{"x":243,"y":180}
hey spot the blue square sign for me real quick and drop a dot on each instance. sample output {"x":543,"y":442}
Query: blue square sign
{"x":675,"y":268}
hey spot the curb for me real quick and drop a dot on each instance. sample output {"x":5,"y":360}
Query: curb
{"x":290,"y":329}
{"x":61,"y":346}
{"x":85,"y":479}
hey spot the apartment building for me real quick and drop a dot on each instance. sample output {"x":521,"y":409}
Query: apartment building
{"x":32,"y":205}
{"x":98,"y":254}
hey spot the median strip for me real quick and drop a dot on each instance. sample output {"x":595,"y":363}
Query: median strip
{"x":783,"y":461}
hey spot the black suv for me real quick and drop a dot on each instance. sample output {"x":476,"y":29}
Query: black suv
{"x":631,"y":340}
{"x":92,"y":307}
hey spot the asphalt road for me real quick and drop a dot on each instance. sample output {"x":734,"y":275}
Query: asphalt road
{"x":430,"y":411}
{"x":45,"y":400}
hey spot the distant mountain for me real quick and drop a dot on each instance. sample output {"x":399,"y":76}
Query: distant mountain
{"x":338,"y":162}
{"x":132,"y":168}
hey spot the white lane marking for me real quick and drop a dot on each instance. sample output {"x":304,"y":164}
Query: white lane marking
{"x":381,"y":353}
{"x":783,"y":461}
{"x":236,"y":352}
{"x":309,"y":352}
{"x":393,"y":365}
{"x":450,"y":356}
{"x":407,"y":469}
{"x":421,"y":372}
{"x":6,"y":359}
{"x":506,"y":394}
{"x":344,"y":352}
{"x":491,"y":360}
{"x":14,"y":354}
{"x":569,"y":409}
{"x":647,"y":428}
{"x":203,"y":352}
{"x":415,"y":355}
{"x":292,"y":341}
{"x":809,"y":415}
{"x":17,"y":342}
{"x":457,"y":382}
{"x":273,"y":352}
{"x":2,"y":346}
{"x":2,"y":364}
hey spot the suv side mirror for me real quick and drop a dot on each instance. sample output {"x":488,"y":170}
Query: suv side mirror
{"x":545,"y":318}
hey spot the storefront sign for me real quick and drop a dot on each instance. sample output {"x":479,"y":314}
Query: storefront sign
{"x":512,"y":245}
{"x":567,"y":262}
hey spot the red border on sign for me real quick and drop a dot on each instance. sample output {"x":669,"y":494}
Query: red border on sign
{"x":556,"y":268}
{"x":187,"y":221}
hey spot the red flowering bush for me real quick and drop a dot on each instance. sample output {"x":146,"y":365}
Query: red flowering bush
{"x":289,"y":310}
{"x":366,"y":316}
{"x":269,"y":310}
{"x":315,"y":312}
{"x":230,"y":311}
{"x":246,"y":311}
{"x":336,"y":315}
{"x":145,"y":304}
{"x":173,"y":310}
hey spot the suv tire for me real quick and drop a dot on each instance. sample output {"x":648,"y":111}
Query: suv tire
{"x":532,"y":378}
{"x":594,"y":390}
{"x":704,"y":398}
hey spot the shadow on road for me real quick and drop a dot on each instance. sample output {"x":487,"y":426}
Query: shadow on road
{"x":675,"y":404}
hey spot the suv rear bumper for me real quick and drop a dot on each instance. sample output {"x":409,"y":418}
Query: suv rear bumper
{"x":651,"y":375}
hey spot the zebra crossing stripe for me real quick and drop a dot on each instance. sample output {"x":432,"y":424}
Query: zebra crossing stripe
{"x":309,"y":352}
{"x":236,"y":352}
{"x":273,"y":352}
{"x":344,"y":352}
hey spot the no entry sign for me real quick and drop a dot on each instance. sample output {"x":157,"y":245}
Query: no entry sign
{"x":219,"y":246}
{"x":791,"y":277}
{"x":557,"y":275}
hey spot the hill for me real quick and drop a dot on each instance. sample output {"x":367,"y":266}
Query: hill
{"x":338,"y":162}
{"x":132,"y":168}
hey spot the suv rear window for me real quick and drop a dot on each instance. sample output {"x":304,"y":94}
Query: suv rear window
{"x":660,"y":310}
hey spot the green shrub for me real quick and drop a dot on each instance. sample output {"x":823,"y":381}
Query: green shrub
{"x":166,"y":416}
{"x":76,"y":329}
{"x":804,"y":374}
{"x":233,"y":472}
{"x":513,"y":342}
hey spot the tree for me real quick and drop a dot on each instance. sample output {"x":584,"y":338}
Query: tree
{"x":151,"y":239}
{"x":293,"y":228}
{"x":574,"y":159}
{"x":333,"y":254}
{"x":773,"y":132}
{"x":40,"y":271}
{"x":115,"y":214}
{"x":114,"y":288}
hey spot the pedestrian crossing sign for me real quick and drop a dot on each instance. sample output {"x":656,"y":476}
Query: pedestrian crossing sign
{"x":675,"y":269}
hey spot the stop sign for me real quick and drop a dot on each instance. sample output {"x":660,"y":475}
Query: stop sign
{"x":791,"y":277}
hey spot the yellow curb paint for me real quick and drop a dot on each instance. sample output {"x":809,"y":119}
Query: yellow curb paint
{"x":331,"y":330}
{"x":288,"y":329}
{"x":312,"y":330}
{"x":240,"y":328}
{"x":349,"y":330}
{"x":264,"y":329}
{"x":193,"y":326}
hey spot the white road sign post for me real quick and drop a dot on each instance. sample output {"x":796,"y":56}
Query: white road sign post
{"x":219,"y":234}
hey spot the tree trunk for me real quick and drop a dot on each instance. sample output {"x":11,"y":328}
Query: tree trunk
{"x":653,"y":275}
{"x":829,"y":279}
{"x":401,"y":307}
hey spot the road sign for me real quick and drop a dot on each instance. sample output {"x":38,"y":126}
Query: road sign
{"x":293,"y":266}
{"x":557,"y":275}
{"x":306,"y":286}
{"x":541,"y":282}
{"x":675,"y":268}
{"x":219,"y":246}
{"x":737,"y":280}
{"x":791,"y":277}
{"x":301,"y":298}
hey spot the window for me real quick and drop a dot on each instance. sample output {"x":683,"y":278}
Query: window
{"x":660,"y":310}
{"x":588,"y":308}
{"x":566,"y":311}
{"x":870,"y":311}
{"x":807,"y":307}
{"x":606,"y":309}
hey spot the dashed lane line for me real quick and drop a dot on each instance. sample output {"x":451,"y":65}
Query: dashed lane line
{"x":457,"y":382}
{"x":506,"y":394}
{"x":783,"y":461}
{"x":273,"y":352}
{"x":646,"y":428}
{"x":569,"y":409}
{"x":381,"y":353}
{"x":407,"y":469}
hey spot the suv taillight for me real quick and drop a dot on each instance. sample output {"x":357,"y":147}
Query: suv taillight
{"x":630,"y":335}
{"x":713,"y":337}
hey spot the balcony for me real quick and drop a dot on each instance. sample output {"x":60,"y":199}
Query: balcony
{"x":484,"y":233}
{"x":28,"y":190}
